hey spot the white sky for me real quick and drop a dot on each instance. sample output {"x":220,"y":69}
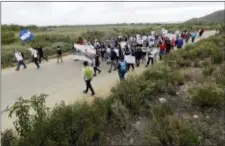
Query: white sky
{"x":75,"y":13}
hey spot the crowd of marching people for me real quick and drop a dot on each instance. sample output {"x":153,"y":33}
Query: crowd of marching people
{"x":121,"y":53}
{"x":143,"y":48}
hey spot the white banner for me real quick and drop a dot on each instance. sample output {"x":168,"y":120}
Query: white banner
{"x":123,"y":44}
{"x":129,"y":59}
{"x":87,"y":50}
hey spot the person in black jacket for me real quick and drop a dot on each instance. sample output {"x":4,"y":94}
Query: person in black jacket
{"x":138,"y":55}
{"x":168,"y":46}
{"x":96,"y":63}
{"x":41,"y":54}
{"x":113,"y":57}
{"x":59,"y":54}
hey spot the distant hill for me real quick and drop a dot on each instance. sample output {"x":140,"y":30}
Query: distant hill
{"x":216,"y":17}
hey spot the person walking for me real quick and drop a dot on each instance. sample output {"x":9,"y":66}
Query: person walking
{"x":168,"y":46}
{"x":88,"y":75}
{"x":150,"y":57}
{"x":96,"y":64}
{"x":19,"y":58}
{"x":113,"y":57}
{"x":180,"y":43}
{"x":41,"y":54}
{"x":138,"y":55}
{"x":128,"y":53}
{"x":193,"y":36}
{"x":59,"y":54}
{"x":122,"y":68}
{"x":34,"y":55}
{"x":162,"y":50}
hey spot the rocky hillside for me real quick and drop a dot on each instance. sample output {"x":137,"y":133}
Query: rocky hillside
{"x":217,"y":16}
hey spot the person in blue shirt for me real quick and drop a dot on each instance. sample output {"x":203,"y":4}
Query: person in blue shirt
{"x":193,"y":36}
{"x":122,"y":68}
{"x":180,"y":43}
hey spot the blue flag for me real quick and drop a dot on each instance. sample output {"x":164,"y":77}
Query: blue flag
{"x":25,"y":35}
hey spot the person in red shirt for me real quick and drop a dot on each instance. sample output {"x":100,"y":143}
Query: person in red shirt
{"x":162,"y":50}
{"x":173,"y":40}
{"x":80,"y":41}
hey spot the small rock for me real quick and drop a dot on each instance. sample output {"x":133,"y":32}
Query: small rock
{"x":137,"y":124}
{"x":195,"y":116}
{"x":207,"y":117}
{"x":162,"y":100}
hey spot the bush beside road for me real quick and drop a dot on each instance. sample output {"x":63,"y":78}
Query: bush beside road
{"x":134,"y":113}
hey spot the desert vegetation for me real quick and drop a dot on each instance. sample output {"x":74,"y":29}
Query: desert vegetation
{"x":178,"y":101}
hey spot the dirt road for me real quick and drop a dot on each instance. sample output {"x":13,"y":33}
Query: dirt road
{"x":60,"y":81}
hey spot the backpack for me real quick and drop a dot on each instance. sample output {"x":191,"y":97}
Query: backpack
{"x":123,"y":66}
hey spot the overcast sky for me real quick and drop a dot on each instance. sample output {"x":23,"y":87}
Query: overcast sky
{"x":75,"y":13}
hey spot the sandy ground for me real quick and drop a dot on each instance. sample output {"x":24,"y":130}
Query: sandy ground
{"x":63,"y":81}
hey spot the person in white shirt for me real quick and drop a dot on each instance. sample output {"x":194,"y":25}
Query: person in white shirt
{"x":117,"y":54}
{"x":34,"y":57}
{"x":151,"y":56}
{"x":19,"y":58}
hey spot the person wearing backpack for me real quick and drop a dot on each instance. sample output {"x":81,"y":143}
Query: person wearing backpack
{"x":122,"y":68}
{"x":19,"y":58}
{"x":88,"y":75}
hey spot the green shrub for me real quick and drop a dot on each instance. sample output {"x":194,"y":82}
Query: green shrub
{"x":208,"y":70}
{"x":8,"y":38}
{"x":8,"y":138}
{"x":219,"y":74}
{"x":208,"y":95}
{"x":161,"y":110}
{"x":133,"y":93}
{"x":172,"y":130}
{"x":164,"y":77}
{"x":119,"y":115}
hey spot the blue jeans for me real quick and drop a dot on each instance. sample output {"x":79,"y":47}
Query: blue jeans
{"x":122,"y":75}
{"x":20,"y":63}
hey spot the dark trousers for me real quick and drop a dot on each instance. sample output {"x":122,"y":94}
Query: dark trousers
{"x":59,"y":57}
{"x":36,"y":62}
{"x":128,"y":66}
{"x":192,"y":40}
{"x":20,"y":63}
{"x":122,"y":75}
{"x":42,"y":57}
{"x":138,"y":61}
{"x":150,"y":59}
{"x":113,"y":64}
{"x":89,"y":86}
{"x":96,"y":69}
